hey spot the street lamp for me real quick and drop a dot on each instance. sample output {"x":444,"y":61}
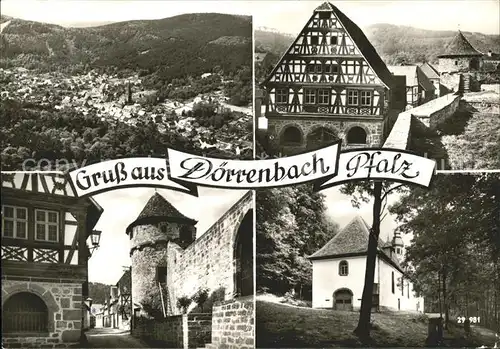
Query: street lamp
{"x":95,"y":238}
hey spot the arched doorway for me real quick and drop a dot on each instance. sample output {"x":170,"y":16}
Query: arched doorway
{"x":320,"y":137}
{"x":243,"y":257}
{"x":342,"y":299}
{"x":356,"y":135}
{"x":292,"y":136}
{"x":25,"y":312}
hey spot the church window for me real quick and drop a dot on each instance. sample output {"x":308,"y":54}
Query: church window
{"x":14,"y":222}
{"x":366,"y":98}
{"x":333,"y":40}
{"x":393,"y":288}
{"x":281,"y":96}
{"x":343,"y":268}
{"x":324,"y":96}
{"x":310,"y":96}
{"x":46,"y":225}
{"x":352,"y":97}
{"x":292,"y":135}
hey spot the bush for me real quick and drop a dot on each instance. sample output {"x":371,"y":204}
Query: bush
{"x":184,"y":302}
{"x":200,"y":297}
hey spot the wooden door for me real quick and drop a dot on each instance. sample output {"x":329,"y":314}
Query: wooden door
{"x":343,"y":300}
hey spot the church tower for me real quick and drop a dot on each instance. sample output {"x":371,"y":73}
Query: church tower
{"x":330,"y":85}
{"x":398,"y":246}
{"x":159,"y":224}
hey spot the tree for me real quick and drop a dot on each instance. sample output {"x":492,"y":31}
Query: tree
{"x":456,"y":240}
{"x":363,"y":192}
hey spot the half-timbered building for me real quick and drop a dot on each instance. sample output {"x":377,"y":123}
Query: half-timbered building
{"x":330,"y":84}
{"x":419,"y":89}
{"x":45,"y":234}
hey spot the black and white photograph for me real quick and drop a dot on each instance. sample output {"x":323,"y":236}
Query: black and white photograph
{"x":91,"y":80}
{"x":129,"y":268}
{"x":371,"y":75}
{"x":357,"y":266}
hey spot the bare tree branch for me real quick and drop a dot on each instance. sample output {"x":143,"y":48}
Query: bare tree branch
{"x":391,"y":189}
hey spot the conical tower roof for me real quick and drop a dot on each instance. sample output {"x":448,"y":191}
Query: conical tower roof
{"x":159,"y":209}
{"x":459,"y":47}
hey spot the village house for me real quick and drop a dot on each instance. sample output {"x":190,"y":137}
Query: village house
{"x":339,"y":273}
{"x":47,"y":239}
{"x":419,"y":89}
{"x":330,"y":84}
{"x":169,"y":263}
{"x":433,"y":75}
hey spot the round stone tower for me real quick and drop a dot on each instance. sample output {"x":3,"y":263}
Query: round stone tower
{"x":159,"y":224}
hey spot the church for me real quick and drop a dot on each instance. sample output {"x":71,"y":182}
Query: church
{"x":339,"y":273}
{"x":330,"y":85}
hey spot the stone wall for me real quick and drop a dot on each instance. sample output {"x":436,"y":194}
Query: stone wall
{"x":233,"y":324}
{"x":450,"y":65}
{"x":170,"y":332}
{"x":209,"y":261}
{"x":276,"y":126}
{"x":199,"y":329}
{"x":64,"y":304}
{"x":436,"y":111}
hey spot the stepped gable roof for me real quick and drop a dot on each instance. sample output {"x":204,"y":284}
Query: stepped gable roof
{"x":352,"y":239}
{"x":364,"y":45}
{"x":159,"y":209}
{"x":459,"y":46}
{"x":429,"y":71}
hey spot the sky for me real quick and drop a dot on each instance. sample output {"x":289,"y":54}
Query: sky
{"x":122,"y":206}
{"x":285,"y":16}
{"x":341,"y":211}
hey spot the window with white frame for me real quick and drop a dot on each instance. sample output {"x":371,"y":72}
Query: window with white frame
{"x":352,"y":97}
{"x":343,"y":268}
{"x":324,"y":96}
{"x":46,"y":225}
{"x":309,"y":96}
{"x":14,"y":222}
{"x":281,"y":96}
{"x":366,"y":98}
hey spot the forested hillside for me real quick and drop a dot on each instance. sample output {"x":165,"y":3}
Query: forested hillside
{"x":99,"y":292}
{"x":291,"y":225}
{"x":189,"y":44}
{"x":394,"y":43}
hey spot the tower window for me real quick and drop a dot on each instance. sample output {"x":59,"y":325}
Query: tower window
{"x":309,"y":96}
{"x":281,"y":96}
{"x":324,"y":96}
{"x":343,"y":268}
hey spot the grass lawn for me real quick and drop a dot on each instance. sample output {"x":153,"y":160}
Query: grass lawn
{"x":280,"y":326}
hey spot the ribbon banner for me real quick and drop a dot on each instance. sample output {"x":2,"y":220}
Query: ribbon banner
{"x":184,"y":172}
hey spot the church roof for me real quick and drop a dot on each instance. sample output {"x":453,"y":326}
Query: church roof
{"x":459,"y":46}
{"x":429,"y":71}
{"x":158,"y":208}
{"x":362,"y":42}
{"x":352,"y":239}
